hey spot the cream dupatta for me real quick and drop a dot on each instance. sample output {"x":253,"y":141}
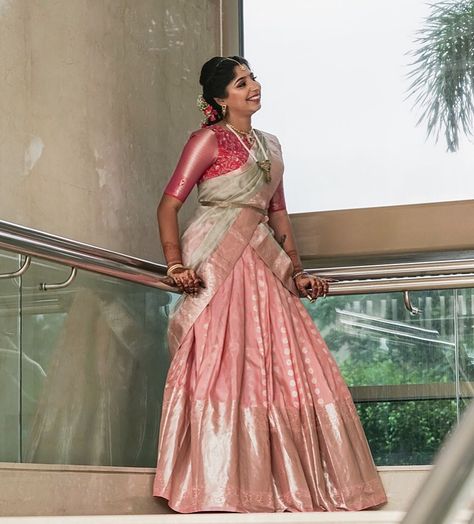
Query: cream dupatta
{"x":218,"y":235}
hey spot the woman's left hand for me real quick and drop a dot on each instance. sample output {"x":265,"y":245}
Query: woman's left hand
{"x":311,"y":286}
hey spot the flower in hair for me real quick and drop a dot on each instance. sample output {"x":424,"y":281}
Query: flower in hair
{"x":209,"y":112}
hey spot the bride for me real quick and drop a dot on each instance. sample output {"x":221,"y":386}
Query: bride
{"x":256,"y":416}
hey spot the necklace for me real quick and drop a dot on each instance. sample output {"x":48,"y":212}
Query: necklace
{"x":247,"y":134}
{"x":264,"y":165}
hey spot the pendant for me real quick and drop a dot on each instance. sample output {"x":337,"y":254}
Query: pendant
{"x":265,"y":166}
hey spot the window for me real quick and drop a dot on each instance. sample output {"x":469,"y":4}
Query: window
{"x":334,"y":90}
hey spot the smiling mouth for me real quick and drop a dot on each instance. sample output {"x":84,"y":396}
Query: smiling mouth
{"x":255,"y":98}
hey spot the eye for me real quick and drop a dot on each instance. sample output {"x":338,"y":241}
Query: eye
{"x":253,"y":77}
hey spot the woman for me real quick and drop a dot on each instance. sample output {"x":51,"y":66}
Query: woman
{"x":256,"y":416}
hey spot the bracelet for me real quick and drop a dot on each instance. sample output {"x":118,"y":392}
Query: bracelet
{"x":299,"y":273}
{"x":172,"y":268}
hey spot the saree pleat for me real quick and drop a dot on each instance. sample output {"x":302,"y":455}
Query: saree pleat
{"x":256,"y":416}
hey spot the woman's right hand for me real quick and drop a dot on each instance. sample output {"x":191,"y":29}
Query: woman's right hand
{"x":187,"y":280}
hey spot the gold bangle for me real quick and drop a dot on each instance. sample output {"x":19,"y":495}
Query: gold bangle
{"x":172,"y":268}
{"x":299,"y":273}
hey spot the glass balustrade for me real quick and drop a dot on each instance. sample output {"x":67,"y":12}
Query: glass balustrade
{"x":410,"y":375}
{"x":85,"y":384}
{"x":83,"y":367}
{"x":10,"y":362}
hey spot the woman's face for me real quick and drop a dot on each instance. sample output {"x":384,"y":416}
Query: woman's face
{"x":243,"y":93}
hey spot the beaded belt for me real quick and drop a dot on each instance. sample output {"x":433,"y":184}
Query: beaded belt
{"x":224,"y":203}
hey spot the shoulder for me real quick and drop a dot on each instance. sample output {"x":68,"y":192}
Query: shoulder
{"x":269,"y":136}
{"x":203,"y":138}
{"x":214,"y":130}
{"x":214,"y":134}
{"x":201,"y":145}
{"x":273,"y":139}
{"x":204,"y":133}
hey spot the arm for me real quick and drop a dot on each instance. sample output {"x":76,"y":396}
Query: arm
{"x":279,"y":221}
{"x":308,"y":285}
{"x":198,"y":154}
{"x":167,"y":215}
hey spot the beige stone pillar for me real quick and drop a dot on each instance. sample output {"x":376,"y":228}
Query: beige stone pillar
{"x":96,"y":101}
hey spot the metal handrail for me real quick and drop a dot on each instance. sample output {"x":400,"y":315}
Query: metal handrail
{"x":399,"y":269}
{"x":392,"y":285}
{"x":380,"y":278}
{"x":32,"y":242}
{"x":22,"y":269}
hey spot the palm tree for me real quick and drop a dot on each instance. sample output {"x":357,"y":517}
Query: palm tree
{"x":442,"y":72}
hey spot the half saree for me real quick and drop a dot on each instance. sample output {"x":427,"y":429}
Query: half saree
{"x":256,"y":416}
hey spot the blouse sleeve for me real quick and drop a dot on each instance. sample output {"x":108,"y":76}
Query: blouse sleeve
{"x":199,"y":152}
{"x":277,"y":203}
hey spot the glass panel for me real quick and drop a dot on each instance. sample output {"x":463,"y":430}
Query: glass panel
{"x":9,"y":359}
{"x":98,"y":347}
{"x":95,"y":358}
{"x":401,"y":367}
{"x":465,"y":326}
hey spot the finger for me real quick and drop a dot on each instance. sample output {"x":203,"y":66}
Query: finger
{"x":199,"y":280}
{"x":314,"y":289}
{"x":181,"y":285}
{"x":193,"y":284}
{"x":188,"y":286}
{"x":176,"y":279}
{"x":188,"y":283}
{"x":310,"y":290}
{"x":325,"y":288}
{"x":323,"y":285}
{"x":317,"y":290}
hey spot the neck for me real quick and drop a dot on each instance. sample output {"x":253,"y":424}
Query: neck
{"x":243,"y":123}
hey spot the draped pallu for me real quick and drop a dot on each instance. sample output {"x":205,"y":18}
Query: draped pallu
{"x":256,"y":416}
{"x":233,"y":217}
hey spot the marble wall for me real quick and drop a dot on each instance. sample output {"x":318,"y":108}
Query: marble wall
{"x":96,"y":101}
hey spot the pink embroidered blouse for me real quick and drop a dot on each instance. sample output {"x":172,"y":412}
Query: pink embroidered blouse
{"x":212,"y":151}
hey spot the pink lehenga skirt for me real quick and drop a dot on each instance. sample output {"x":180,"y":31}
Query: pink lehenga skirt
{"x":256,"y":416}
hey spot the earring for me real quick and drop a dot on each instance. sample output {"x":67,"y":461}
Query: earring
{"x":224,"y":110}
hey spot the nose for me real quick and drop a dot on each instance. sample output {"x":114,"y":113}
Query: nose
{"x":254,"y":83}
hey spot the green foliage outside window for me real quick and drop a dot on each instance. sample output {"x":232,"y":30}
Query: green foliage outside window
{"x":376,"y":342}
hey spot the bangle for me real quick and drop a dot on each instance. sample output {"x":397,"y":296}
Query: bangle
{"x":172,"y":268}
{"x":299,"y":273}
